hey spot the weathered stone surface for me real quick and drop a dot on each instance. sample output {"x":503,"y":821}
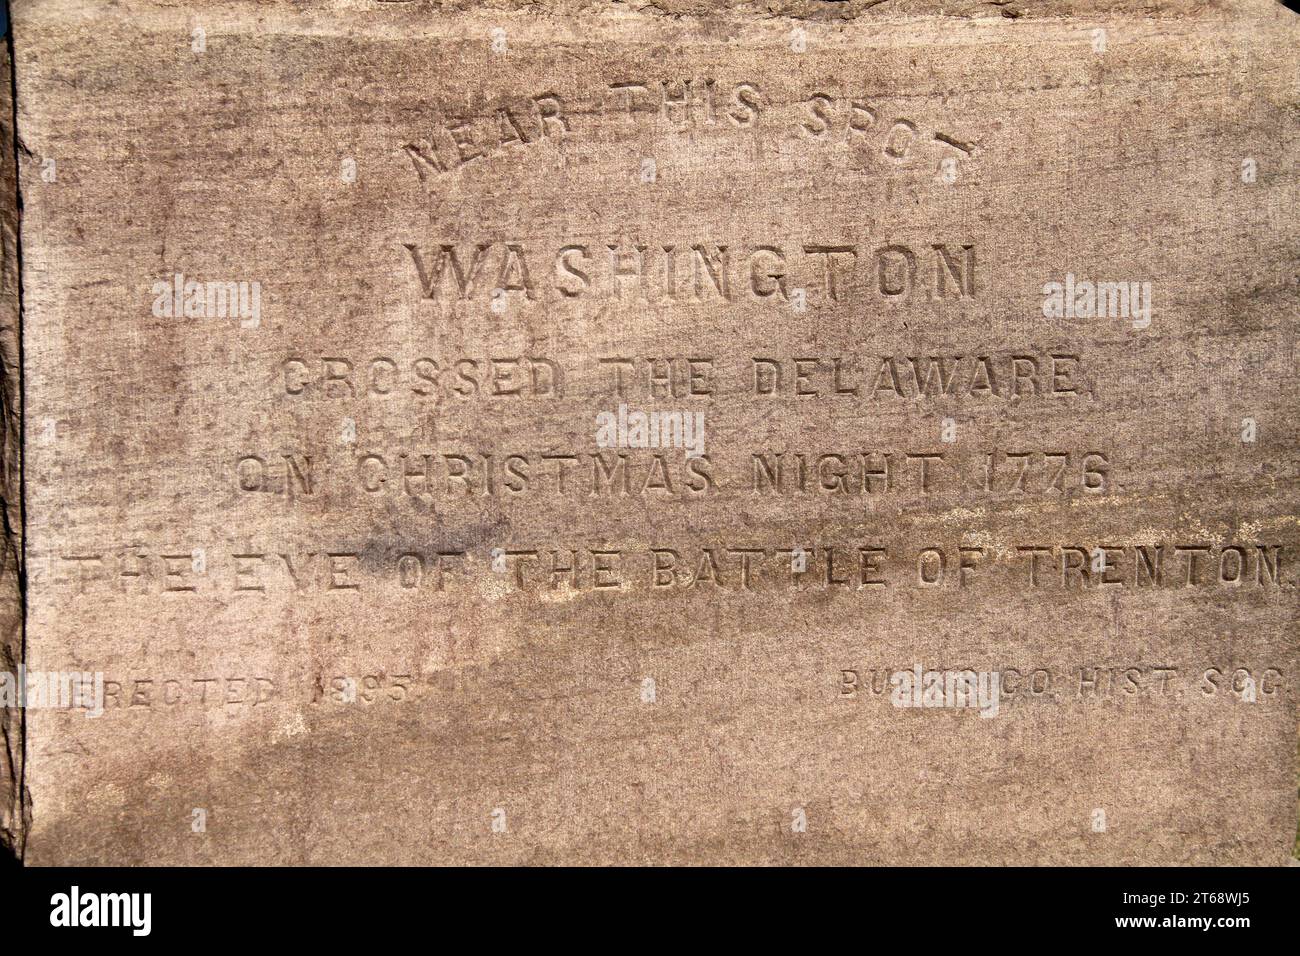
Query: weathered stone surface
{"x":331,"y":591}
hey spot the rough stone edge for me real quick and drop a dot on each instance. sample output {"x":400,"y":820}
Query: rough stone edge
{"x":269,"y":14}
{"x":15,"y":812}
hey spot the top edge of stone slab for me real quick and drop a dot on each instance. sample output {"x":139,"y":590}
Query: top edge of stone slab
{"x":346,"y":15}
